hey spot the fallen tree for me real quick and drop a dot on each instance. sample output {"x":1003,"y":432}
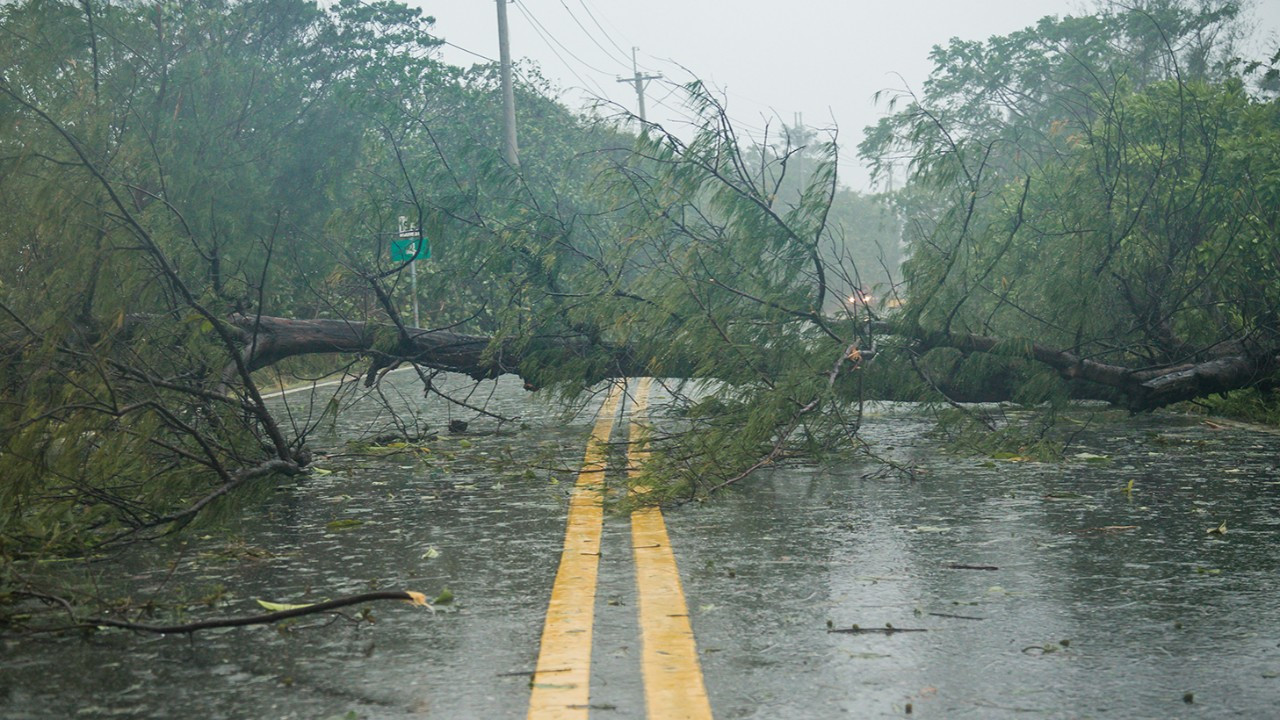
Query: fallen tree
{"x":1143,"y":389}
{"x":269,"y":340}
{"x":701,"y":258}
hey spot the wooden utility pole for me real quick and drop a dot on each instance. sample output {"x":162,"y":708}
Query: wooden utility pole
{"x":639,"y":81}
{"x":510,"y":150}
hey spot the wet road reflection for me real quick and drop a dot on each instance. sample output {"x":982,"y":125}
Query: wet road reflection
{"x":1108,"y":600}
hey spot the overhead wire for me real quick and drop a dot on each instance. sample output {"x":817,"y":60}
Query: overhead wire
{"x":469,"y":52}
{"x":587,"y":85}
{"x":754,"y":131}
{"x":604,"y":32}
{"x":548,"y":35}
{"x":552,"y":41}
{"x":514,"y":68}
{"x":608,"y":53}
{"x":629,"y":61}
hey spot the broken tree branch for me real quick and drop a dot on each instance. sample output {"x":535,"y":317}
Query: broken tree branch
{"x":321,"y":607}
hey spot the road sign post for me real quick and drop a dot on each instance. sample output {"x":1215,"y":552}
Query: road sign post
{"x":411,"y":247}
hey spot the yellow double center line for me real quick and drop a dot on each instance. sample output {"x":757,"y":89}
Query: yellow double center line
{"x":562,"y":680}
{"x":669,"y":657}
{"x":673,"y":685}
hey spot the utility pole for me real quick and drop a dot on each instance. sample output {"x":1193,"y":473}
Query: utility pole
{"x":510,"y":150}
{"x":639,"y":81}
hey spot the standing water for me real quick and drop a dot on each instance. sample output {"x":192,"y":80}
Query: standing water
{"x":1140,"y":578}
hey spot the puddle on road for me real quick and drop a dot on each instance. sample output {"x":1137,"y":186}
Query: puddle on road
{"x":1106,"y":601}
{"x":458,"y":517}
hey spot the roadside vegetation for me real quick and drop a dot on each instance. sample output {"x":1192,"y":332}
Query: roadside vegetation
{"x":192,"y":193}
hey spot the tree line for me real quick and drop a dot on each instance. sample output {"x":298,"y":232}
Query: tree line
{"x":193,"y":192}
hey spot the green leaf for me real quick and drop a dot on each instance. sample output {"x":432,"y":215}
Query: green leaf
{"x":280,"y":607}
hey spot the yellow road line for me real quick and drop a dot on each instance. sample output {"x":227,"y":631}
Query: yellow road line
{"x":561,"y":682}
{"x":673,"y":686}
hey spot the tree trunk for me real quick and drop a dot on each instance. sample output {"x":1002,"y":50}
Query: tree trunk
{"x":1144,"y":390}
{"x":269,"y":340}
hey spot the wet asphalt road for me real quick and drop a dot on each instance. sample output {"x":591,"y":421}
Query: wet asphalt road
{"x":1101,"y":601}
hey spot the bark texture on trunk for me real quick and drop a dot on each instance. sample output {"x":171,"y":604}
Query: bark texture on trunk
{"x":269,"y":340}
{"x":1143,"y":389}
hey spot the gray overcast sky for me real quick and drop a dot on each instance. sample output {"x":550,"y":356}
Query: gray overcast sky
{"x":772,"y":60}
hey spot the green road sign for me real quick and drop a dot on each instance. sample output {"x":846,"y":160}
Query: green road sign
{"x":402,"y":250}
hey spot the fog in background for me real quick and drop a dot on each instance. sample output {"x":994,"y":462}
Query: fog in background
{"x":773,"y":62}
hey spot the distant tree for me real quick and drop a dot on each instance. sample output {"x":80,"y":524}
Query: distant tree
{"x":1091,"y":193}
{"x":862,"y":235}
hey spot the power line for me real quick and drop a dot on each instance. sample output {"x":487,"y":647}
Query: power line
{"x":621,"y":53}
{"x":674,"y":88}
{"x":588,"y":33}
{"x":754,"y":132}
{"x":548,"y":34}
{"x":549,"y":41}
{"x":552,"y":41}
{"x":469,"y":52}
{"x":514,"y":68}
